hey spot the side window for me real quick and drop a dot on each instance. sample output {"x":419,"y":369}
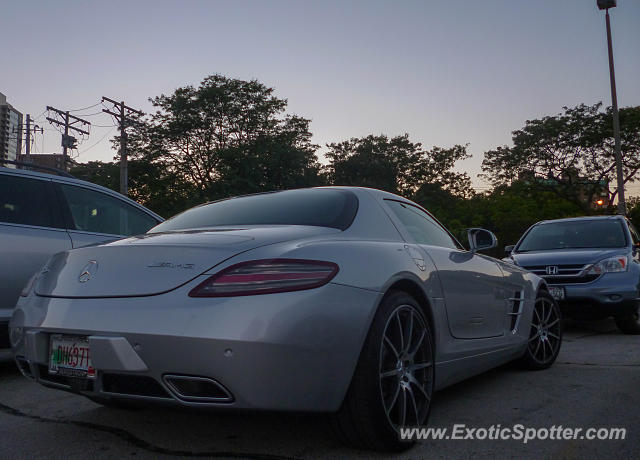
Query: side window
{"x":421,"y":226}
{"x":98,"y":212}
{"x":26,"y":201}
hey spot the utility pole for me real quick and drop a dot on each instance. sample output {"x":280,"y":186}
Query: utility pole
{"x":28,"y":130}
{"x":122,"y":112}
{"x":27,"y":147}
{"x":68,"y":121}
{"x":605,"y":5}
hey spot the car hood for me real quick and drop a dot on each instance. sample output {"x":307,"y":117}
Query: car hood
{"x":154,"y":263}
{"x":564,"y":257}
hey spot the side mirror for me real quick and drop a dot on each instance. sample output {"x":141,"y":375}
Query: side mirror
{"x":481,"y":239}
{"x":509,"y":249}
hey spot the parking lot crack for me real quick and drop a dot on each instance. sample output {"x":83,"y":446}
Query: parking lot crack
{"x":140,"y":443}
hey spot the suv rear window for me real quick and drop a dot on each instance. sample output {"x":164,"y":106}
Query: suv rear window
{"x":584,"y":234}
{"x":315,"y":207}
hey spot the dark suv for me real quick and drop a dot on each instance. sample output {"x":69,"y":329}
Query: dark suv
{"x":591,"y":264}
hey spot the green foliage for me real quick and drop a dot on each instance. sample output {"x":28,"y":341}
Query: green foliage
{"x":570,"y":154}
{"x":396,"y":165}
{"x":149,"y":184}
{"x":227,"y":137}
{"x":507,"y":211}
{"x":106,"y":174}
{"x":230,"y":137}
{"x":633,"y":210}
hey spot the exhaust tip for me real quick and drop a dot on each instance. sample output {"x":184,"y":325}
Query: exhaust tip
{"x":197,"y":389}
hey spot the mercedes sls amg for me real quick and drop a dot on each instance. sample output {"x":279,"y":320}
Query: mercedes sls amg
{"x":341,"y":300}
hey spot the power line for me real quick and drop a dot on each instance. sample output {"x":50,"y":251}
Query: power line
{"x":85,"y":108}
{"x":101,"y":139}
{"x":88,"y":114}
{"x":40,"y":116}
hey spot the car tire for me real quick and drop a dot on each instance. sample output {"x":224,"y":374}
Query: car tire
{"x":545,"y":337}
{"x":393,"y":380}
{"x":629,"y":324}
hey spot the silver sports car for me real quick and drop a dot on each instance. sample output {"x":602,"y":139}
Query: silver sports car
{"x":345,"y":300}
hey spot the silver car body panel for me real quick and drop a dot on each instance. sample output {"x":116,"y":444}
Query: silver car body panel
{"x":285,"y":351}
{"x":25,"y":248}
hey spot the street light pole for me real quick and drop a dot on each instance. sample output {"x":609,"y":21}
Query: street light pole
{"x":614,"y":106}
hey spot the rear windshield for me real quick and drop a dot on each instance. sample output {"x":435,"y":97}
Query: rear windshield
{"x":316,"y":207}
{"x":574,"y":235}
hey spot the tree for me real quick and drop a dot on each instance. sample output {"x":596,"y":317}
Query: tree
{"x":633,"y":210}
{"x":510,"y":210}
{"x":149,"y":184}
{"x":106,"y":174}
{"x":396,"y":165}
{"x":454,"y":211}
{"x":570,"y":154}
{"x":226,"y":137}
{"x":507,"y":211}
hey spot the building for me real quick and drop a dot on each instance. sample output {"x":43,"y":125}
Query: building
{"x":48,"y":160}
{"x":10,"y":131}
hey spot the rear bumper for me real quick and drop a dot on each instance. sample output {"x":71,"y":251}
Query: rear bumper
{"x":290,"y":351}
{"x":613,"y":294}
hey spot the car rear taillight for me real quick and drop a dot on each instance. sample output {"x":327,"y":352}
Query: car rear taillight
{"x":266,"y":277}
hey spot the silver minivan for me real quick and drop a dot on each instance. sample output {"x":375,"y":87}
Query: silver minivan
{"x":43,"y":214}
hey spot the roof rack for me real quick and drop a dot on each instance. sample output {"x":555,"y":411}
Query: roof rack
{"x":60,"y":172}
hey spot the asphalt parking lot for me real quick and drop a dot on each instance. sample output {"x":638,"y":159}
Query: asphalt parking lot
{"x":594,"y":383}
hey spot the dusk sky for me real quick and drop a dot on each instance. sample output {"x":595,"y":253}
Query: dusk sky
{"x":446,"y":72}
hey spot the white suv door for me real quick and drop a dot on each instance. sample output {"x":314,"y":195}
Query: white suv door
{"x":31,"y":231}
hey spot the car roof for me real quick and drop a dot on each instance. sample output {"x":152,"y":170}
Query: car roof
{"x":72,"y":180}
{"x":369,"y":190}
{"x":350,"y":188}
{"x":28,"y":172}
{"x":581,"y":219}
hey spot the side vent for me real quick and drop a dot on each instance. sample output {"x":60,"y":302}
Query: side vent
{"x":517,"y":304}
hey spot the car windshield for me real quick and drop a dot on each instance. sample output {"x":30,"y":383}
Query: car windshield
{"x":574,"y":235}
{"x":316,"y":207}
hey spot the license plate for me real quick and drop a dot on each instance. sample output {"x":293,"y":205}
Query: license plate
{"x":70,"y":356}
{"x":557,"y":292}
